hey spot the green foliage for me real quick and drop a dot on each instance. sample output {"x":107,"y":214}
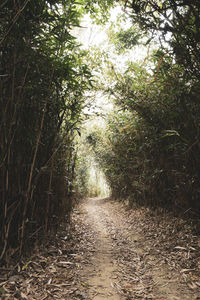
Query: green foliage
{"x":127,"y":39}
{"x":90,"y":181}
{"x":98,"y":9}
{"x":175,"y":23}
{"x":43,"y":78}
{"x":123,"y":34}
{"x":110,"y":152}
{"x":150,"y":148}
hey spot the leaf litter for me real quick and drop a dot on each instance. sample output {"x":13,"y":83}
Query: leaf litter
{"x":111,"y":252}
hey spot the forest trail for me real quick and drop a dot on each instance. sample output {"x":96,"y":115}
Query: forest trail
{"x":102,"y":281}
{"x":111,"y":252}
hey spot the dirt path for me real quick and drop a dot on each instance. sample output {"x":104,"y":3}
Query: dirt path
{"x":126,"y":263}
{"x":111,"y":252}
{"x":102,"y":281}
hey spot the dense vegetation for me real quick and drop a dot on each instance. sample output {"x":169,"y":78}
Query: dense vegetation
{"x":150,"y":149}
{"x":42,"y":83}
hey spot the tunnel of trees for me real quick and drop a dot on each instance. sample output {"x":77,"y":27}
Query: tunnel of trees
{"x":148,"y":148}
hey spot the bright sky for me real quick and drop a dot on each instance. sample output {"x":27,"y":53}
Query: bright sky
{"x":95,"y":35}
{"x":91,"y":34}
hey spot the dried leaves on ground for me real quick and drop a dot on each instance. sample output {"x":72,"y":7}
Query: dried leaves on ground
{"x":154,"y":256}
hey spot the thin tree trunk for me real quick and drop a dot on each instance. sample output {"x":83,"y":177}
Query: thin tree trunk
{"x":48,"y":199}
{"x":32,"y":169}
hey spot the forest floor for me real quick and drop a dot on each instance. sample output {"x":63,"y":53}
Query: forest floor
{"x":111,"y":253}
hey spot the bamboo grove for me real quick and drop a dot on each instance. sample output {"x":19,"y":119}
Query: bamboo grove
{"x":149,"y":151}
{"x":150,"y":148}
{"x":42,"y":83}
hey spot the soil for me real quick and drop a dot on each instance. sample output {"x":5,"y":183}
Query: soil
{"x":111,"y":252}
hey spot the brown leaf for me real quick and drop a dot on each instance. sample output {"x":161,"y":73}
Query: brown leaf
{"x":192,"y":285}
{"x":23,"y":296}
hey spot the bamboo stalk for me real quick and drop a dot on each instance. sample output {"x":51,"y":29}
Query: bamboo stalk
{"x":6,"y":230}
{"x":8,"y":141}
{"x":48,"y":199}
{"x":31,"y":175}
{"x":32,"y":167}
{"x":14,"y":20}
